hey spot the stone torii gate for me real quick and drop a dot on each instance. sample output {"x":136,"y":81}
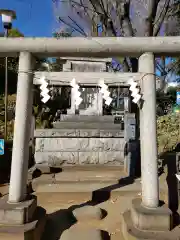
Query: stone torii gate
{"x":146,"y":215}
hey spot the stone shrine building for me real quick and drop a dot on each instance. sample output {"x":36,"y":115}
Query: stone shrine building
{"x":93,"y":103}
{"x":88,"y":135}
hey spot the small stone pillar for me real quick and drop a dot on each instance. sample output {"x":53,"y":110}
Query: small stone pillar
{"x":148,"y":135}
{"x":22,"y":127}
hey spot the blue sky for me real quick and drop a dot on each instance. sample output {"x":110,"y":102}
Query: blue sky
{"x":34,"y":17}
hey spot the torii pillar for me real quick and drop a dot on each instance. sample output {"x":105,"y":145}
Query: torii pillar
{"x":20,"y":218}
{"x":147,"y":215}
{"x":22,"y":127}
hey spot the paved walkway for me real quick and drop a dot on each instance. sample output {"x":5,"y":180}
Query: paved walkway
{"x":60,"y":219}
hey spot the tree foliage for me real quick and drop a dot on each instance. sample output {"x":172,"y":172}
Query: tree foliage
{"x":168,"y":131}
{"x":67,"y":32}
{"x":166,"y":101}
{"x":14,"y":33}
{"x":12,"y":66}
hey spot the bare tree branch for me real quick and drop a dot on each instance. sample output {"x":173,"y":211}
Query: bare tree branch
{"x":160,"y":20}
{"x":151,"y":15}
{"x":70,"y":25}
{"x":124,"y":18}
{"x":81,"y":29}
{"x":115,"y":17}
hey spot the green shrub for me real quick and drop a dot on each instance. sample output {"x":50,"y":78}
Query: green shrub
{"x":168,"y":131}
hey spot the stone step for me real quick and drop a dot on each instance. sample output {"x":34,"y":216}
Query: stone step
{"x":95,"y":169}
{"x":85,"y":118}
{"x":57,"y":183}
{"x":82,"y":170}
{"x":97,"y":191}
{"x":94,"y":175}
{"x":81,"y":187}
{"x":86,"y":125}
{"x":78,"y":181}
{"x":86,"y":179}
{"x":62,"y":199}
{"x":83,"y":174}
{"x":81,"y":132}
{"x":105,"y":179}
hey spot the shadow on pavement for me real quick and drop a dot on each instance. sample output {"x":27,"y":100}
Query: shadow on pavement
{"x":58,"y":222}
{"x":63,"y":219}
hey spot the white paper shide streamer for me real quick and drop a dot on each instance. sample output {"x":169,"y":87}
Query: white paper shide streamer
{"x":76,"y":92}
{"x":134,"y":90}
{"x":105,"y":92}
{"x":44,"y":90}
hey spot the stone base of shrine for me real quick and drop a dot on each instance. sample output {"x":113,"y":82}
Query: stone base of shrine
{"x":21,"y":221}
{"x":144,"y":223}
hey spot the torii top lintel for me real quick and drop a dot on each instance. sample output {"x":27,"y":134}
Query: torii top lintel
{"x":91,"y":47}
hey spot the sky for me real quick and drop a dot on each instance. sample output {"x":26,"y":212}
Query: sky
{"x":34,"y":17}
